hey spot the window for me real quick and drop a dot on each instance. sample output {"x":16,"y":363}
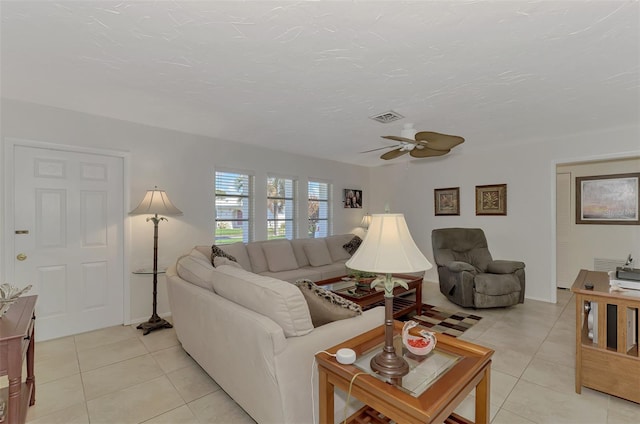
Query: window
{"x":281,"y":211}
{"x":234,"y":207}
{"x":319,"y":209}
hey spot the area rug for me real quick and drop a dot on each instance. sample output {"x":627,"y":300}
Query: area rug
{"x":452,"y":323}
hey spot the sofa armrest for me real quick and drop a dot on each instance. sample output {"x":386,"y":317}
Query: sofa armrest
{"x":459,"y":266}
{"x":504,"y":267}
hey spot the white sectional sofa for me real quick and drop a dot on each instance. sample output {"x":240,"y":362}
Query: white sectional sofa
{"x":252,"y":333}
{"x":290,"y":260}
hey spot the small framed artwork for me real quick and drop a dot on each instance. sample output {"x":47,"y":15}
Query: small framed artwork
{"x":608,"y":199}
{"x":491,"y":199}
{"x":352,"y":198}
{"x":446,"y":201}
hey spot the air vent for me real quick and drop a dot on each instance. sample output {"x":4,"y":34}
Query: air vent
{"x":387,"y":117}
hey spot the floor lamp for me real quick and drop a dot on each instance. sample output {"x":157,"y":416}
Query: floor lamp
{"x":155,"y":202}
{"x":388,"y":248}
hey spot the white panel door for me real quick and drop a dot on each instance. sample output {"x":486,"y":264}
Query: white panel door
{"x":563,"y":230}
{"x":72,"y":206}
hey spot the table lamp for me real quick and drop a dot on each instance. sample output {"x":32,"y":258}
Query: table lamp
{"x":155,"y":202}
{"x":366,"y":221}
{"x":386,"y":249}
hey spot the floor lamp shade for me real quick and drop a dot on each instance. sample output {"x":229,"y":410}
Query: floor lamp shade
{"x":156,"y":202}
{"x":388,"y":248}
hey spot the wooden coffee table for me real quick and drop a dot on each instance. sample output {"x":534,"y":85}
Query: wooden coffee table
{"x":433,"y":389}
{"x":369,"y":298}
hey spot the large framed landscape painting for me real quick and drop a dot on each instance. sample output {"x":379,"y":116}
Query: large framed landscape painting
{"x":608,"y":199}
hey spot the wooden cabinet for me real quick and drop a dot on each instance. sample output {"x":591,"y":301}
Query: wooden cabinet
{"x":16,"y":343}
{"x":606,"y":337}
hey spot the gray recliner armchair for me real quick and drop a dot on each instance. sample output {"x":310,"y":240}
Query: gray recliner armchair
{"x":468,"y":274}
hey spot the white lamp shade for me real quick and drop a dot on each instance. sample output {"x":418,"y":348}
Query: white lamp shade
{"x":366,"y":221}
{"x":388,"y":248}
{"x":156,"y":202}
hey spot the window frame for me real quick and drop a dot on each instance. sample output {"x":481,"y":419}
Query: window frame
{"x":249,"y":234}
{"x":294,"y":212}
{"x":329,"y":207}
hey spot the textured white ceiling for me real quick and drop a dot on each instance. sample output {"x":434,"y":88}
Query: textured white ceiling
{"x":305,"y":76}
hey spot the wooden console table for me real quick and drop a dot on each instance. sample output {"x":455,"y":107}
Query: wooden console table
{"x":606,"y":362}
{"x":424,"y":397}
{"x":16,"y":342}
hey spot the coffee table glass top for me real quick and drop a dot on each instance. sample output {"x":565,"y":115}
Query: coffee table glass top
{"x":423,"y":370}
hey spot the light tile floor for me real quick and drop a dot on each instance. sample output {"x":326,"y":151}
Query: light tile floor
{"x":117,"y":375}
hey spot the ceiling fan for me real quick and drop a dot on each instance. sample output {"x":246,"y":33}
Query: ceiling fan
{"x":422,"y":144}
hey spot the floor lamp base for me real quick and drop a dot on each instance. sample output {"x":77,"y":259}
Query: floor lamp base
{"x":154,"y":323}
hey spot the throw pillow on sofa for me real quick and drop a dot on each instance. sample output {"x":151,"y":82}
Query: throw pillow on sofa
{"x":217,"y":252}
{"x":353,"y":245}
{"x":326,"y":306}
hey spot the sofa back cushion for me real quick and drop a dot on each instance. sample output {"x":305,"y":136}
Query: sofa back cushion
{"x":317,"y":252}
{"x":257,"y":257}
{"x":298,"y":250}
{"x":279,"y":255}
{"x":195,"y":268}
{"x":239,"y":251}
{"x":282,"y":302}
{"x":335,"y":245}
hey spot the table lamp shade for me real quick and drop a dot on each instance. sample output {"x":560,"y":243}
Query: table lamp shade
{"x":388,"y":248}
{"x":366,"y":221}
{"x":156,"y":202}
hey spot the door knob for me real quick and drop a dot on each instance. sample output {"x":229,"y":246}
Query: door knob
{"x":21,"y":257}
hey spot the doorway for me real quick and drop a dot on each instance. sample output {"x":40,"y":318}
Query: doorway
{"x":65,"y":235}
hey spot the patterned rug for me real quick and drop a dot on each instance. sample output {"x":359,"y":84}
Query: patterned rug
{"x":448,"y":322}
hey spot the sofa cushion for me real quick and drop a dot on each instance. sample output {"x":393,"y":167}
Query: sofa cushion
{"x":325,"y":306}
{"x":298,"y":250}
{"x":195,"y":268}
{"x":353,"y":245}
{"x":219,"y":261}
{"x":257,"y":257}
{"x":282,"y":302}
{"x":335,"y":244}
{"x":317,"y":252}
{"x":280,"y":256}
{"x":239,"y":251}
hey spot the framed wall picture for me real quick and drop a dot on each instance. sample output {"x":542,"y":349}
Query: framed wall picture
{"x":446,"y":201}
{"x":491,"y":199}
{"x":352,"y":198}
{"x":608,"y":199}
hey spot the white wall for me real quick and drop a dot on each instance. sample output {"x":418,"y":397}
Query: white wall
{"x":589,"y":241}
{"x":183,"y":165}
{"x":527,"y":233}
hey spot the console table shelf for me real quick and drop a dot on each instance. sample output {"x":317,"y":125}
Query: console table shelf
{"x":607,"y":356}
{"x":17,"y":343}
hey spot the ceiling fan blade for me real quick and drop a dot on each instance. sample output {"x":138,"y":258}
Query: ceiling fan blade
{"x":400,"y":139}
{"x":439,"y":141}
{"x":427,"y":152}
{"x":394,"y":154}
{"x":380,"y":148}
